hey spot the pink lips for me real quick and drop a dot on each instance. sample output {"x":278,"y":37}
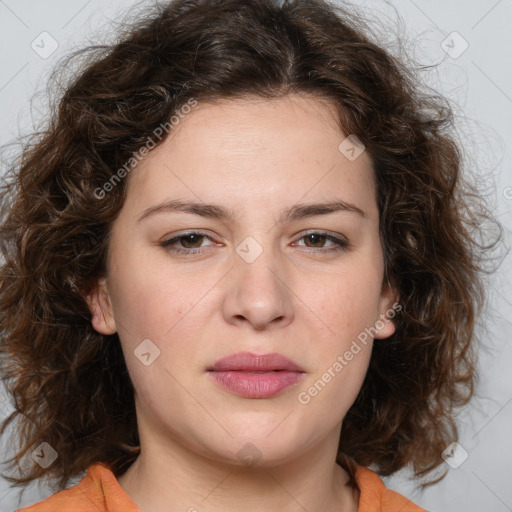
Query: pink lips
{"x":256,"y":376}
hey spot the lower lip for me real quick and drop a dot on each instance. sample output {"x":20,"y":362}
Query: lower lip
{"x":256,"y":385}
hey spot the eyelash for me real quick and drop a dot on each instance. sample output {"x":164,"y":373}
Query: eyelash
{"x":341,"y":245}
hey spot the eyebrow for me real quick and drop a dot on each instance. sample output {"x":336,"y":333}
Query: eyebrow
{"x":212,"y":211}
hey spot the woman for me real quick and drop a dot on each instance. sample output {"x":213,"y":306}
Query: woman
{"x":239,"y":270}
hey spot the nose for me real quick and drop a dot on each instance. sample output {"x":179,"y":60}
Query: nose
{"x":259,"y":293}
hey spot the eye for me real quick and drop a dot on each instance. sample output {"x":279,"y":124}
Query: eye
{"x":192,"y":242}
{"x":319,"y":238}
{"x":189,"y":243}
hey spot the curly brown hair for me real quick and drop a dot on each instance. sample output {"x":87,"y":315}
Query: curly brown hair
{"x":70,"y":385}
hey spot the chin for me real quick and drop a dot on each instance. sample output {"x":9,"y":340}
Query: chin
{"x":259,"y":449}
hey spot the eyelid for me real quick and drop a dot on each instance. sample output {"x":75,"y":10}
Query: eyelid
{"x":183,"y":234}
{"x":336,"y":238}
{"x":323,"y":232}
{"x":340,"y":242}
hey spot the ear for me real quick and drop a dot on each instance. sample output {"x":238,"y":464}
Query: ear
{"x":101,"y":308}
{"x":389,"y":307}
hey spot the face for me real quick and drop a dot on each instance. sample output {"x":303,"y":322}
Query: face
{"x":251,"y":270}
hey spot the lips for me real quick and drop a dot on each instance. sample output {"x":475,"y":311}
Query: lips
{"x":256,"y":376}
{"x":248,"y":362}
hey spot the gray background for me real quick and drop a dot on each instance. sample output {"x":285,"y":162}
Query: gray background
{"x":478,"y":81}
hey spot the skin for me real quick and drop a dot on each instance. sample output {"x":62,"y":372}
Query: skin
{"x":299,"y":298}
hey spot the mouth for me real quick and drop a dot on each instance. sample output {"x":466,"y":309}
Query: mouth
{"x":256,"y":376}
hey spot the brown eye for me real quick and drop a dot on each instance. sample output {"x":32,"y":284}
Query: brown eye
{"x":190,"y":241}
{"x":318,"y":240}
{"x":187,"y":243}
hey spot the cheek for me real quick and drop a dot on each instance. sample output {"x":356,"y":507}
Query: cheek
{"x":139,"y":307}
{"x":346,"y":302}
{"x":332,"y":391}
{"x":149,"y":294}
{"x":153,"y":306}
{"x":167,"y":307}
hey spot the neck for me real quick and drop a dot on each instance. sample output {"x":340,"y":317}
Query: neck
{"x":179,"y":479}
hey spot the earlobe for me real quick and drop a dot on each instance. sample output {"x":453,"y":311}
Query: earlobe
{"x":101,"y":308}
{"x":389,"y":307}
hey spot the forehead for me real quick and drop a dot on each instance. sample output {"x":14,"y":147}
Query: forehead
{"x":255,"y":152}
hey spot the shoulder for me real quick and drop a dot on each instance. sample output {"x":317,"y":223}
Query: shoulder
{"x":99,"y":490}
{"x":375,"y":497}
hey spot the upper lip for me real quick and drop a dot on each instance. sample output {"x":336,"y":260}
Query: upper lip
{"x":249,"y":362}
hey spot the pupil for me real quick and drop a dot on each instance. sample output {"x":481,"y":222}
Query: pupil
{"x":317,"y":237}
{"x":194,"y":238}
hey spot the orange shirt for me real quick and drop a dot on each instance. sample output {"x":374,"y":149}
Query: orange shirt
{"x":99,"y":491}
